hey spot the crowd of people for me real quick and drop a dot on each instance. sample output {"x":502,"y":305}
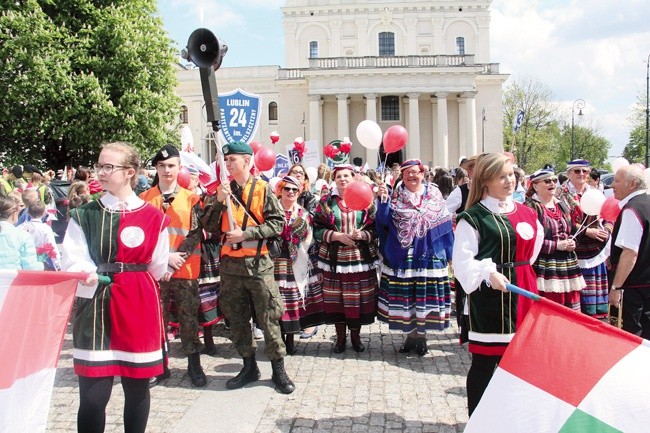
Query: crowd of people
{"x":287,"y":255}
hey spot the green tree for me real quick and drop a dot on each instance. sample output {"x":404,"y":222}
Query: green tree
{"x":635,"y":148}
{"x":533,"y":144}
{"x":76,"y":73}
{"x":588,"y":144}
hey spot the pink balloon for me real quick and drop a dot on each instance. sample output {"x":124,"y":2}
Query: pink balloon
{"x":610,"y":209}
{"x":255,"y":145}
{"x":184,"y":178}
{"x":265,"y":159}
{"x":275,"y":137}
{"x":395,"y":138}
{"x":358,"y":195}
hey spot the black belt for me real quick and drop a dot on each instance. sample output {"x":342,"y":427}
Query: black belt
{"x":512,"y":264}
{"x":122,"y":267}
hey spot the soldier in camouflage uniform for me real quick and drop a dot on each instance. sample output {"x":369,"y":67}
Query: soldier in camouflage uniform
{"x":246,"y":268}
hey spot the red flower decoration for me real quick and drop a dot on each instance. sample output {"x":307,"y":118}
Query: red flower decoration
{"x":345,"y":147}
{"x":299,"y":146}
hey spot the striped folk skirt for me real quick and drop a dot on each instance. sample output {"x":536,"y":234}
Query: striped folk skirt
{"x":349,"y":291}
{"x":594,"y":299}
{"x":286,"y":281}
{"x":415,"y":299}
{"x":559,"y":278}
{"x":313,"y":312}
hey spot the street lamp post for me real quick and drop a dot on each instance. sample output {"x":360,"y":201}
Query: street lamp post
{"x":580,"y":104}
{"x":483,"y":131}
{"x":647,"y":107}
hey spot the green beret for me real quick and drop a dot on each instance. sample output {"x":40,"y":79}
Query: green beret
{"x":238,"y":147}
{"x":165,"y":153}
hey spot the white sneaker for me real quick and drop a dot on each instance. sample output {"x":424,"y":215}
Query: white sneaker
{"x":257,"y":332}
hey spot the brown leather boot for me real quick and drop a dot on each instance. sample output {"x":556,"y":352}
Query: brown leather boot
{"x":339,"y":347}
{"x":355,"y":338}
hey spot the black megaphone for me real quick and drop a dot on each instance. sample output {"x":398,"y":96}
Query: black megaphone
{"x":204,"y":49}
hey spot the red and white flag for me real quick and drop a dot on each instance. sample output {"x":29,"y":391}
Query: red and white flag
{"x":34,"y":311}
{"x":566,"y":372}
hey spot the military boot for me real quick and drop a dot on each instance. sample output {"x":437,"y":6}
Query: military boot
{"x":195,"y":371}
{"x":250,"y":373}
{"x":280,"y":377}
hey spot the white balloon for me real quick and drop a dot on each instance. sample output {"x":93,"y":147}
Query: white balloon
{"x":369,"y":134}
{"x":592,"y":201}
{"x":312,"y":174}
{"x":273,"y":182}
{"x":618,"y":163}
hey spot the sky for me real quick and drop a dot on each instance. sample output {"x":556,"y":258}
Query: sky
{"x":595,"y":51}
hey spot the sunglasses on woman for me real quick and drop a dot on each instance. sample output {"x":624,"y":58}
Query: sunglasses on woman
{"x":549,"y":181}
{"x":289,"y":189}
{"x":580,"y":171}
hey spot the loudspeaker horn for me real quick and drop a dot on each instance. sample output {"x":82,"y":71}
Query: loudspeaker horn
{"x":205,"y":50}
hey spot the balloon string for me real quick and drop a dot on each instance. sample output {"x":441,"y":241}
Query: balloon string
{"x":582,"y":229}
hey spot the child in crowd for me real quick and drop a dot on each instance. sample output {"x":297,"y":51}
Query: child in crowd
{"x":43,"y":236}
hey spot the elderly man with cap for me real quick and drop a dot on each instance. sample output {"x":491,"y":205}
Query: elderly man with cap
{"x":592,"y":240}
{"x":247,"y":269}
{"x":631,"y":250}
{"x":185,"y":210}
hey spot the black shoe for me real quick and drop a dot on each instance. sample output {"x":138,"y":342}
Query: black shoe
{"x":339,"y":347}
{"x":421,"y":346}
{"x":409,"y":345}
{"x":250,"y":373}
{"x":195,"y":371}
{"x":210,"y":351}
{"x":280,"y":377}
{"x":291,"y":349}
{"x":355,"y":339}
{"x":166,"y":374}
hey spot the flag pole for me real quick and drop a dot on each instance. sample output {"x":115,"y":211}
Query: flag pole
{"x":518,"y":290}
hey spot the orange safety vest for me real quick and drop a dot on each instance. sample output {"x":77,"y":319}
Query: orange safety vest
{"x":180,"y":213}
{"x":248,"y":248}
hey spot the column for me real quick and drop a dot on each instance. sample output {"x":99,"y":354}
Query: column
{"x":434,"y":131}
{"x":463,"y":148}
{"x":343,"y":125}
{"x":472,"y":142}
{"x":413,"y":145}
{"x":371,"y":114}
{"x":315,"y":120}
{"x":443,"y":129}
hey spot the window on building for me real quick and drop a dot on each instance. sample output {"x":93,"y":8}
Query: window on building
{"x":389,"y":108}
{"x":313,"y":49}
{"x":184,"y":116}
{"x":273,"y":111}
{"x":386,"y":44}
{"x":460,"y":45}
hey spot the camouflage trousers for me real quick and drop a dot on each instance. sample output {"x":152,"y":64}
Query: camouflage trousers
{"x":237,"y":292}
{"x":186,"y":295}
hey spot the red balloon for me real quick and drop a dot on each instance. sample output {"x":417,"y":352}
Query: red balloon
{"x":275,"y":137}
{"x":255,"y":145}
{"x":358,"y":195}
{"x":610,"y":209}
{"x":265,"y":159}
{"x":395,"y":138}
{"x":184,"y":178}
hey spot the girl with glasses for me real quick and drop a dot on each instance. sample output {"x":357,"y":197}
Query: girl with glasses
{"x":292,"y":266}
{"x":559,"y":277}
{"x":118,"y":326}
{"x":592,"y":241}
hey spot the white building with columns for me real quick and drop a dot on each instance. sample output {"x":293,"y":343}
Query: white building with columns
{"x":421,"y":64}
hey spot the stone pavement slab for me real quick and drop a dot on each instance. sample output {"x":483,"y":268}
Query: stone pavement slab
{"x":377,"y":391}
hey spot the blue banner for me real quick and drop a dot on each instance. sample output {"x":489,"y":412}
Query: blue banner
{"x":281,"y":165}
{"x":240,"y":113}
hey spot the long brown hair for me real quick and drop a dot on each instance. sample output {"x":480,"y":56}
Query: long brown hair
{"x":488,"y":166}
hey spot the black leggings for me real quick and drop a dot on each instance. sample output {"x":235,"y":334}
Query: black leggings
{"x":94,"y":393}
{"x":478,"y":378}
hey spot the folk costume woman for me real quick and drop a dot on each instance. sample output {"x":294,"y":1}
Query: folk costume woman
{"x":497,"y":240}
{"x":292,"y":266}
{"x":592,"y":241}
{"x":347,"y":255}
{"x":414,"y":293}
{"x":558,"y":275}
{"x":118,"y":327}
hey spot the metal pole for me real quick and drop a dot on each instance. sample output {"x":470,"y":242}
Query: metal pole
{"x":647,"y":107}
{"x":580,"y":103}
{"x":483,"y":133}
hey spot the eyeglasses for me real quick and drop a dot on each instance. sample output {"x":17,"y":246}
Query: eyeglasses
{"x":581,"y":171}
{"x":298,"y":172}
{"x":549,"y":181}
{"x":108,"y":168}
{"x":411,"y":173}
{"x":288,"y":189}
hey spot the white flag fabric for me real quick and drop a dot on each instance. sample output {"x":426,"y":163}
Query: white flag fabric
{"x":34,"y":311}
{"x":518,"y":121}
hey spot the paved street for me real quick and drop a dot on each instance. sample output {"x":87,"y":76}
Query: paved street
{"x":378,"y":391}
